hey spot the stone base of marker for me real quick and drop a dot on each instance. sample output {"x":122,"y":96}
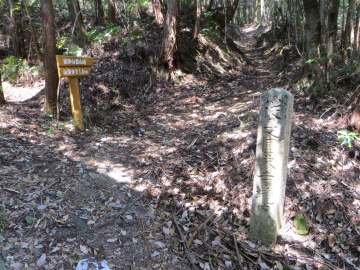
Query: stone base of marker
{"x":271,"y":165}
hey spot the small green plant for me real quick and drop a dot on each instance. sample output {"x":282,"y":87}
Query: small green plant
{"x":213,"y":260}
{"x":61,"y":196}
{"x":29,"y":219}
{"x":341,"y":241}
{"x":347,"y":137}
{"x":3,"y":219}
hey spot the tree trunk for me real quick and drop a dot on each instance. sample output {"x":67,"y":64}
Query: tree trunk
{"x":77,"y":20}
{"x":33,"y":34}
{"x":170,"y":53}
{"x":223,"y":19}
{"x":312,"y":76}
{"x":351,"y":16}
{"x":49,"y":49}
{"x":2,"y":98}
{"x":111,"y":11}
{"x":18,"y":40}
{"x":256,"y":3}
{"x":99,"y":12}
{"x":211,"y":3}
{"x":298,"y":21}
{"x":356,"y":30}
{"x":159,"y":17}
{"x":322,"y":17}
{"x":332,"y":33}
{"x":262,"y":12}
{"x":244,"y":11}
{"x":197,"y":24}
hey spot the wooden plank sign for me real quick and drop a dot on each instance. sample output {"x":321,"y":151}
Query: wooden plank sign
{"x":72,"y":61}
{"x":74,"y":71}
{"x":73,"y":67}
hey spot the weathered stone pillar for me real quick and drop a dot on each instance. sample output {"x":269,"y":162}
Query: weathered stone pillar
{"x":272,"y":151}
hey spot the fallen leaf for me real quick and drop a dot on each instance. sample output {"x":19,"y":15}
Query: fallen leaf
{"x":301,"y":225}
{"x":197,"y":241}
{"x":331,"y":211}
{"x":331,"y":239}
{"x":123,"y":233}
{"x":279,"y":265}
{"x":155,"y":254}
{"x":112,"y":240}
{"x":55,"y":249}
{"x":160,"y":244}
{"x":166,"y":230}
{"x":84,"y":249}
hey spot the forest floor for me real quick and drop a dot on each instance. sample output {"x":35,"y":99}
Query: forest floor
{"x":181,"y":156}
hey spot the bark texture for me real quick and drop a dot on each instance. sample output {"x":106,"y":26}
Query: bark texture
{"x":197,"y":24}
{"x":17,"y":37}
{"x":49,"y":49}
{"x":99,"y":12}
{"x":159,"y":17}
{"x":2,"y":98}
{"x":332,"y":33}
{"x":219,"y":17}
{"x":111,"y":11}
{"x":77,"y":20}
{"x":171,"y":53}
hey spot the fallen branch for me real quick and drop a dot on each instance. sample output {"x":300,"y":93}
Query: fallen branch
{"x":153,"y":228}
{"x":198,"y":229}
{"x":190,"y":258}
{"x":237,"y":253}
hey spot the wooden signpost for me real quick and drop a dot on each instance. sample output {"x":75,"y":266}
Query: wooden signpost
{"x":73,"y":67}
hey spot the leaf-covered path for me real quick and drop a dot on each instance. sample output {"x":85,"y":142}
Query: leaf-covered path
{"x":147,"y":175}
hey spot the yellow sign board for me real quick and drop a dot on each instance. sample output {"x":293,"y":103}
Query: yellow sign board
{"x":73,"y":67}
{"x":74,"y":71}
{"x":72,"y":61}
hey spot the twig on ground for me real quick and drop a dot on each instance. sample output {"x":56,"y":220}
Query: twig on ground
{"x":155,"y":227}
{"x":187,"y":252}
{"x":237,"y":253}
{"x":198,"y":229}
{"x":212,"y":268}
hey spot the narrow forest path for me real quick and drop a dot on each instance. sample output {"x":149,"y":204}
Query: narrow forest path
{"x":183,"y":151}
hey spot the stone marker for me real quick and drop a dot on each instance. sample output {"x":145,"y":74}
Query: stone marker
{"x":272,"y":149}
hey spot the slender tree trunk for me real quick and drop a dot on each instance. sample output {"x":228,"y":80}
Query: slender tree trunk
{"x":262,"y":12}
{"x":99,"y":12}
{"x":111,"y":11}
{"x":2,"y":98}
{"x":230,"y":12}
{"x":33,"y":34}
{"x":209,"y":7}
{"x":49,"y":49}
{"x":197,"y":24}
{"x":77,"y":20}
{"x":171,"y":55}
{"x":312,"y":76}
{"x":18,"y":40}
{"x":159,"y":17}
{"x":356,"y":30}
{"x":322,"y":17}
{"x":256,"y":3}
{"x":244,"y":11}
{"x":351,"y":19}
{"x":332,"y":33}
{"x":298,"y":20}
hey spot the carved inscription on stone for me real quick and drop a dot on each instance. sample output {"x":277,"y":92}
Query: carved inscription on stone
{"x":271,"y":164}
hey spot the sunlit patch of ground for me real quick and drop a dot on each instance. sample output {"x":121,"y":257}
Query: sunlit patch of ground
{"x":21,"y":94}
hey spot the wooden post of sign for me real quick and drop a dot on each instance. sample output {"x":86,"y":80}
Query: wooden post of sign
{"x":73,"y":67}
{"x":75,"y":103}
